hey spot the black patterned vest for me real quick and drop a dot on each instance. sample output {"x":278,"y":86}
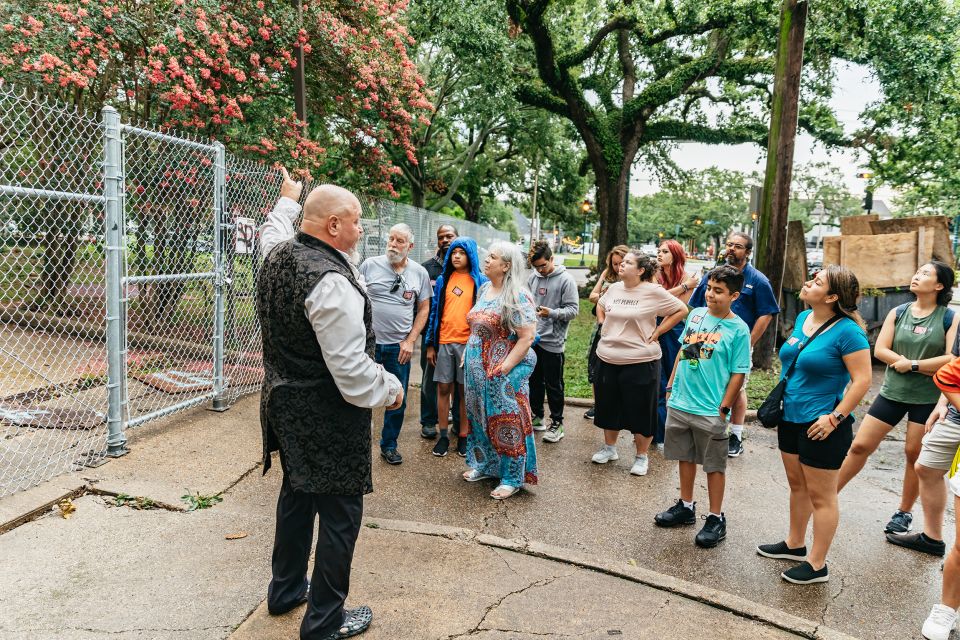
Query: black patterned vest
{"x":324,"y":441}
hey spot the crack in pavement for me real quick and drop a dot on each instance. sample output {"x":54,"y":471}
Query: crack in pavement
{"x":826,"y":605}
{"x":537,"y":583}
{"x":109,"y":632}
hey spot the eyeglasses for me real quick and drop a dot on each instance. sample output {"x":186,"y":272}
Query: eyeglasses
{"x":736,"y":245}
{"x":542,"y":266}
{"x":397,"y":283}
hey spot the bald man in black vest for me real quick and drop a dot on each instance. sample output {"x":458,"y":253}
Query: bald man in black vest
{"x":320,"y":384}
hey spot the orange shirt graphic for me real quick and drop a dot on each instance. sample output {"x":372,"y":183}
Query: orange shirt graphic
{"x":457,"y":302}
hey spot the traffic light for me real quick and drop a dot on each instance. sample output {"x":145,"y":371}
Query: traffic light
{"x":868,"y":201}
{"x":586,"y":206}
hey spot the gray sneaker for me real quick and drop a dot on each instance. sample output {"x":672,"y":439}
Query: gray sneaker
{"x":554,"y":432}
{"x":605,"y":455}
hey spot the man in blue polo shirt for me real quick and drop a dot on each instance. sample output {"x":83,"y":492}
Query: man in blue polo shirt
{"x":756,"y":306}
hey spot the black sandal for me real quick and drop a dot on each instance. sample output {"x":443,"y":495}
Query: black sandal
{"x":355,"y":621}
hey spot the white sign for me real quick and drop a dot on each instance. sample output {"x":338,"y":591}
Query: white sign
{"x":246,"y":235}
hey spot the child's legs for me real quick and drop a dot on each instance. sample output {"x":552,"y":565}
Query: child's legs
{"x":444,"y":389}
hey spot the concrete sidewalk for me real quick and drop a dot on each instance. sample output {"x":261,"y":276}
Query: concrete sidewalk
{"x":115,"y":571}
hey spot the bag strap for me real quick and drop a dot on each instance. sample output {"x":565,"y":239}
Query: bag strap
{"x":822,"y":328}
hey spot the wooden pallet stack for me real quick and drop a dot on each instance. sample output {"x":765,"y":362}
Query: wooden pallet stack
{"x":886,"y":253}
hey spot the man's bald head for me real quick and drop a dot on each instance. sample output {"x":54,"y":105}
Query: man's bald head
{"x":327,"y":200}
{"x":332,"y":214}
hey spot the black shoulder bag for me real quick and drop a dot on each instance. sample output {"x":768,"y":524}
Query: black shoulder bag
{"x":770,"y":412}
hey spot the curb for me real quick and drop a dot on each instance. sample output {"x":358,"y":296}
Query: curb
{"x":711,"y":597}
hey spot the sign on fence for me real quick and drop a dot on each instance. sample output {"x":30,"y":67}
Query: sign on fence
{"x":246,"y":235}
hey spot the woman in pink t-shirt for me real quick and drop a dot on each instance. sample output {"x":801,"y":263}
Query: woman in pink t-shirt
{"x":628,"y":375}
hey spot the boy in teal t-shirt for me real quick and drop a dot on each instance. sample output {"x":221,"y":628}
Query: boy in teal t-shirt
{"x":708,"y":375}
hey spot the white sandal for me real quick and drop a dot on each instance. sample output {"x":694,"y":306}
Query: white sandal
{"x":505,"y":491}
{"x":475,"y":475}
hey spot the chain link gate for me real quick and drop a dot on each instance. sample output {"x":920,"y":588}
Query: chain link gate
{"x":128,"y":259}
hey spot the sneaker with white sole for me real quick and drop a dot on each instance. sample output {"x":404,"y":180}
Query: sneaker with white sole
{"x":538,"y":424}
{"x":554,"y":432}
{"x":640,"y":466}
{"x":939,"y":623}
{"x":605,"y":455}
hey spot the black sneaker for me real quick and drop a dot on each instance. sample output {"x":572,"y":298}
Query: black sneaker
{"x":428,"y":431}
{"x":462,"y":446}
{"x":734,"y":446}
{"x":589,"y":413}
{"x":392,"y":456}
{"x":781,"y":551}
{"x":714,"y":530}
{"x":676,"y":515}
{"x":803,"y":573}
{"x":443,"y":445}
{"x":901,"y":522}
{"x":918,"y":542}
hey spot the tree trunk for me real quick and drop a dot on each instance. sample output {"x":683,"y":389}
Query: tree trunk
{"x":417,"y":196}
{"x":611,"y":211}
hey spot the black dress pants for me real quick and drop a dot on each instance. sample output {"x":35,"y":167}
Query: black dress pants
{"x":339,"y":527}
{"x":547,"y":377}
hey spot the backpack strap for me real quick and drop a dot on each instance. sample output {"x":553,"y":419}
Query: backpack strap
{"x":899,"y":311}
{"x":947,"y":320}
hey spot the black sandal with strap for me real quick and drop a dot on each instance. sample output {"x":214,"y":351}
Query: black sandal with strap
{"x":355,"y":621}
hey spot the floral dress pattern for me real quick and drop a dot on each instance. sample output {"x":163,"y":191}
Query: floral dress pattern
{"x":501,"y":442}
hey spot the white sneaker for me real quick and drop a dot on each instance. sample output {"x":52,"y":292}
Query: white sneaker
{"x":939,"y":623}
{"x":640,"y":466}
{"x":660,"y":447}
{"x":605,"y":455}
{"x":554,"y":432}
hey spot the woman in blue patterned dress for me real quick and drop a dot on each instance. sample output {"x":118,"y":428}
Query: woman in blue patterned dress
{"x":498,"y":363}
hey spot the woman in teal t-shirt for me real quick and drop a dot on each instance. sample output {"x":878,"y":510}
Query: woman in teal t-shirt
{"x":831,"y":376}
{"x":914,"y":342}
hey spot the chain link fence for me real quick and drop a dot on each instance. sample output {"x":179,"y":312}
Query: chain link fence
{"x":128,"y":259}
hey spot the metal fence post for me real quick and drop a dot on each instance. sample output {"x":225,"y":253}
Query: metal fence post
{"x":113,"y":235}
{"x":222,"y":274}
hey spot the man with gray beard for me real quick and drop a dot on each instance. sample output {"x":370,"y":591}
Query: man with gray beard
{"x":400,"y":292}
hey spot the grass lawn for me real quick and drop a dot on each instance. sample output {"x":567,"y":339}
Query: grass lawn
{"x":575,"y":368}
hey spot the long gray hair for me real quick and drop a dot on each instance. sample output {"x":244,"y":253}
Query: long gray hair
{"x":514,"y":283}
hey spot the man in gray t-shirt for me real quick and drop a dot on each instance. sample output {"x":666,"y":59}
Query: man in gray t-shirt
{"x":400,"y":292}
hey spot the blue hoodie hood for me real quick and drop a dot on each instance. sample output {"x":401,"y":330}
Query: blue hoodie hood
{"x":469,"y":245}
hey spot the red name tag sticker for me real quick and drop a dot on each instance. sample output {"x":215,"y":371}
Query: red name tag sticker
{"x":792,"y":340}
{"x":457,"y":291}
{"x":920,"y":330}
{"x":408,"y":295}
{"x":542,"y":291}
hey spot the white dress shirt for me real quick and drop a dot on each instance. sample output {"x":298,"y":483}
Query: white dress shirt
{"x":335,"y":311}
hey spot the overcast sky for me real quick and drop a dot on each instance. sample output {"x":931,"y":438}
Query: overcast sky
{"x":853,"y":89}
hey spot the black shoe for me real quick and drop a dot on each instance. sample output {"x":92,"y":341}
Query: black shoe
{"x":392,"y":456}
{"x":901,"y":522}
{"x":676,"y":515}
{"x":803,"y":573}
{"x":713,"y":531}
{"x":428,"y":431}
{"x":462,"y":446}
{"x":781,"y":551}
{"x":589,"y":413}
{"x":443,"y":445}
{"x":734,"y":446}
{"x":918,"y":542}
{"x":279,"y":611}
{"x":355,"y":622}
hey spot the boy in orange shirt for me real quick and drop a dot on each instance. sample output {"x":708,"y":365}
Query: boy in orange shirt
{"x":447,"y":334}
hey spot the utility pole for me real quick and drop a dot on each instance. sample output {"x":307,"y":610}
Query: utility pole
{"x":770,"y":251}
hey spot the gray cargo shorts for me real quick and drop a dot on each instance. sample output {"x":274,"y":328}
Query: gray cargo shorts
{"x":699,"y":439}
{"x":448,"y":367}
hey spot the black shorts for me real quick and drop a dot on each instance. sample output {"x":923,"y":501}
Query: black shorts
{"x":891,"y":412}
{"x":820,"y":454}
{"x":626,"y":396}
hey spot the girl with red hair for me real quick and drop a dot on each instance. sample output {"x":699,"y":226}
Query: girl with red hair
{"x":674,"y":278}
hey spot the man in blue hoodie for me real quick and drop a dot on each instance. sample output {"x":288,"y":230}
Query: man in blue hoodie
{"x":447,"y":333}
{"x":555,"y":294}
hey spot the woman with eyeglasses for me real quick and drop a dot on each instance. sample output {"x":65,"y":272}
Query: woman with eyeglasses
{"x":609,"y":275}
{"x":498,"y":363}
{"x":673,"y":277}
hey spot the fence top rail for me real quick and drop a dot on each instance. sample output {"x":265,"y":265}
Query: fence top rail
{"x":164,"y":137}
{"x":13,"y":190}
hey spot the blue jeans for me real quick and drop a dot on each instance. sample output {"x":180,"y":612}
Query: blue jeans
{"x":387,"y":354}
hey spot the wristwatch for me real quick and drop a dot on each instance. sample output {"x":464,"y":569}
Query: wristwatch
{"x":914,"y":365}
{"x":839,"y":416}
{"x":725,"y":410}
